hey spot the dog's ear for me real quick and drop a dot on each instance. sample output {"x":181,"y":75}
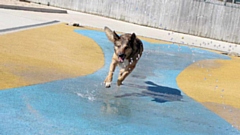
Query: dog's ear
{"x":112,"y":35}
{"x":115,"y":36}
{"x":133,"y":36}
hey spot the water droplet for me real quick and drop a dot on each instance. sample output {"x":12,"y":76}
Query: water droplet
{"x":91,"y":98}
{"x":80,"y":94}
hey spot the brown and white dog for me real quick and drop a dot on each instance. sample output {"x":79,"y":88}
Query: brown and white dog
{"x":127,"y":51}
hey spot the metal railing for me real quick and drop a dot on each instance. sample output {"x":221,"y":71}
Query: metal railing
{"x":232,"y":3}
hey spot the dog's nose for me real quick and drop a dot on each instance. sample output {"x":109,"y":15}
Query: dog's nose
{"x":121,"y":55}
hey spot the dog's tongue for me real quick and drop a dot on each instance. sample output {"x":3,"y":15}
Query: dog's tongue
{"x":120,"y":59}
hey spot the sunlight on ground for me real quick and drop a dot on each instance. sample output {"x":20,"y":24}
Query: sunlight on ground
{"x":46,"y":54}
{"x":215,"y":83}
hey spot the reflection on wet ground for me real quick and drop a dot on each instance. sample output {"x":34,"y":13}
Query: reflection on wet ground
{"x":149,"y":102}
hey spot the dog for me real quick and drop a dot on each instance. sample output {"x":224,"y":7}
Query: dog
{"x":127,"y":52}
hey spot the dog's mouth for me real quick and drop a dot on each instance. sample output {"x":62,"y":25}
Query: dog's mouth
{"x":121,"y":58}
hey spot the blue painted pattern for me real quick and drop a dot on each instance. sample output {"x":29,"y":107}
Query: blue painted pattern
{"x":149,"y":102}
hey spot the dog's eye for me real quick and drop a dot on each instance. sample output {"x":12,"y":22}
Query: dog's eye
{"x":126,"y":47}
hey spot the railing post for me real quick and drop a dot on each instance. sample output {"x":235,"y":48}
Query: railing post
{"x":225,"y":2}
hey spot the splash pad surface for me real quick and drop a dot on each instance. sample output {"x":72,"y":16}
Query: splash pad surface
{"x":149,"y":102}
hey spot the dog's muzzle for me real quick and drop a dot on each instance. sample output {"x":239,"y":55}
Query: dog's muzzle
{"x":121,"y":57}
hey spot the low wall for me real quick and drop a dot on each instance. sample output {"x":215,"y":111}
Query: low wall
{"x":195,"y":17}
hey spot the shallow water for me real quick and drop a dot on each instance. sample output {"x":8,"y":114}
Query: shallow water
{"x":149,"y":102}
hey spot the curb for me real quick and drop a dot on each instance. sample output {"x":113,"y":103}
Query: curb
{"x":27,"y":26}
{"x":45,"y":10}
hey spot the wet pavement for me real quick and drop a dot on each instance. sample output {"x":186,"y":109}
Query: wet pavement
{"x":149,"y":102}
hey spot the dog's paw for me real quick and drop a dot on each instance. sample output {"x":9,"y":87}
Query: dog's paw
{"x":107,"y":84}
{"x":119,"y":83}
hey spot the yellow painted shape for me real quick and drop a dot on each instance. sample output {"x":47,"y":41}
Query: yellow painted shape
{"x":214,"y":82}
{"x":229,"y":113}
{"x":46,"y":54}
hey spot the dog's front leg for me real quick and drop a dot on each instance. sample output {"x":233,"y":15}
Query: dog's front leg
{"x":109,"y":77}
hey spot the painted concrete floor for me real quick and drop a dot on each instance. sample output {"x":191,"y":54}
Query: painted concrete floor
{"x":149,"y":102}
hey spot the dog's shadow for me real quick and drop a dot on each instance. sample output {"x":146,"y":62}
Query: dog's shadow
{"x":160,"y":94}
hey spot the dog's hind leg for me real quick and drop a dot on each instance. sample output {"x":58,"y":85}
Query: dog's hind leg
{"x":109,"y":77}
{"x":123,"y":74}
{"x":122,"y":77}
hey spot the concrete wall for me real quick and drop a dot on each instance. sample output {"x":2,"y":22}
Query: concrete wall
{"x":195,"y":17}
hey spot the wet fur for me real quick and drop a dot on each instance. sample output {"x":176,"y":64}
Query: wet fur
{"x":127,"y":51}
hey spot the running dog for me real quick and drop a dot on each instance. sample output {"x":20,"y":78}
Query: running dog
{"x":127,"y":51}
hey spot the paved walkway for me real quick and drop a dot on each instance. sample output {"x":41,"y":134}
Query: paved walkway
{"x":28,"y":18}
{"x":50,"y":95}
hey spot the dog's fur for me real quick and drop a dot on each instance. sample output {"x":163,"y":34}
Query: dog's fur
{"x":127,"y":51}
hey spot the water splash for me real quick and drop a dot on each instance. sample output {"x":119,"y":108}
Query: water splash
{"x":89,"y":96}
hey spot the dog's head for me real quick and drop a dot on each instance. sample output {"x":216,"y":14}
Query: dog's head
{"x":123,"y":44}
